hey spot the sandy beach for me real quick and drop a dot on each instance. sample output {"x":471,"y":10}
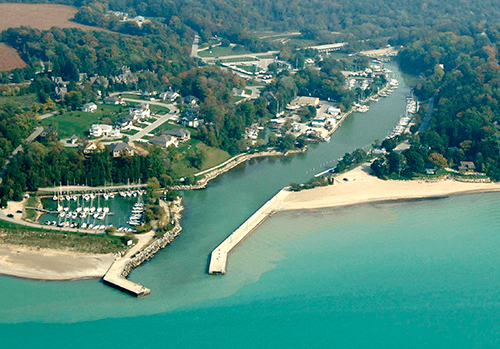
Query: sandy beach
{"x":46,"y":264}
{"x":358,"y":186}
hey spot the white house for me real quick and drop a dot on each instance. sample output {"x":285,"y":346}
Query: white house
{"x":140,"y":111}
{"x":98,"y":130}
{"x":181,"y":134}
{"x":89,"y":107}
{"x":169,"y":96}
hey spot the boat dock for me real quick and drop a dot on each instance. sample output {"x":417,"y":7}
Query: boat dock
{"x":218,"y":259}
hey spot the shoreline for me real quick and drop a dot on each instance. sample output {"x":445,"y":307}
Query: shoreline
{"x":363,"y":188}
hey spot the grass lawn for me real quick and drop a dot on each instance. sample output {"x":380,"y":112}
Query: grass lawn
{"x":78,"y":123}
{"x":170,"y":126}
{"x":214,"y":157}
{"x":240,"y":59}
{"x":156,"y":109}
{"x":36,"y":237}
{"x":25,"y":101}
{"x":220,"y":51}
{"x":249,"y":68}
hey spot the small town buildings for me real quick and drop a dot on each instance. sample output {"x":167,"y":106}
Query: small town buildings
{"x":113,"y":100}
{"x":165,"y":141}
{"x":333,"y":110}
{"x":89,"y":107}
{"x":73,"y":140}
{"x":304,"y":100}
{"x":98,"y":130}
{"x":60,"y":92}
{"x":318,"y":122}
{"x":181,"y":134}
{"x":121,"y":149}
{"x":48,"y":133}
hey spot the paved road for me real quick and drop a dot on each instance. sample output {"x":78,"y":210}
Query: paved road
{"x":171,"y":107}
{"x":31,"y":138}
{"x":194,"y":48}
{"x":81,"y":188}
{"x":151,"y":127}
{"x":251,"y":55}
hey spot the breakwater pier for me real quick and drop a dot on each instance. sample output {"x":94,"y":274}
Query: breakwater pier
{"x":219,"y":256}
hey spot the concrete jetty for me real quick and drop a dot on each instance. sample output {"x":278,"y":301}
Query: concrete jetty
{"x":218,"y":259}
{"x":114,"y":279}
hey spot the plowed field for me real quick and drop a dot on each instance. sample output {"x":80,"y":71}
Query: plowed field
{"x":9,"y":58}
{"x":40,"y":16}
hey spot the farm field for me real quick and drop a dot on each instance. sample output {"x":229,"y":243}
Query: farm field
{"x":9,"y":58}
{"x":39,"y":16}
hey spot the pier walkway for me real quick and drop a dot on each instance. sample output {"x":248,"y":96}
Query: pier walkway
{"x":218,"y":259}
{"x":114,"y":276}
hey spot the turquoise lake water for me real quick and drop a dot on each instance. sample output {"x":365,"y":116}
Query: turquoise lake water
{"x":409,"y":275}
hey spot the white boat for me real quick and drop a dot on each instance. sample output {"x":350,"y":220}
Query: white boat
{"x":54,"y":223}
{"x":99,"y":210}
{"x":54,"y":197}
{"x":106,"y":196}
{"x":92,"y":209}
{"x":59,"y":208}
{"x":68,"y":197}
{"x":90,"y":226}
{"x":85,"y":209}
{"x":111,"y":195}
{"x":84,"y":225}
{"x":74,"y":215}
{"x":105,"y":209}
{"x":79,"y":209}
{"x":101,"y":216}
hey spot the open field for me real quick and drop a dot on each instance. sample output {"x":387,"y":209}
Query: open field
{"x":39,"y":16}
{"x":25,"y":101}
{"x":78,"y":123}
{"x":9,"y":58}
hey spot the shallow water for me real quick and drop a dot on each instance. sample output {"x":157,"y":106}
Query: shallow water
{"x":412,"y":275}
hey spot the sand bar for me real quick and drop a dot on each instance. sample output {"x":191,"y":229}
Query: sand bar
{"x":361,"y":187}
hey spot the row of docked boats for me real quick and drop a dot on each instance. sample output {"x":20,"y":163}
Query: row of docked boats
{"x":136,"y":216}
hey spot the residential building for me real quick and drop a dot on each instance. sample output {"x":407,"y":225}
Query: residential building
{"x":191,"y":100}
{"x":124,"y":123}
{"x":165,"y":141}
{"x":89,"y":107}
{"x":169,"y":96}
{"x":113,"y":100}
{"x":140,"y":111}
{"x":121,"y":149}
{"x":467,"y":166}
{"x":181,"y":134}
{"x":98,"y":130}
{"x":333,"y":111}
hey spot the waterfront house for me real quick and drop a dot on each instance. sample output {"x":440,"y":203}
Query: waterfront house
{"x":181,"y":134}
{"x":89,"y":107}
{"x":191,"y":117}
{"x":318,"y":122}
{"x":120,"y":149}
{"x":467,"y":166}
{"x":333,"y":111}
{"x":165,"y":141}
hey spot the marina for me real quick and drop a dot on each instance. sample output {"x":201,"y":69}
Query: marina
{"x":94,"y":211}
